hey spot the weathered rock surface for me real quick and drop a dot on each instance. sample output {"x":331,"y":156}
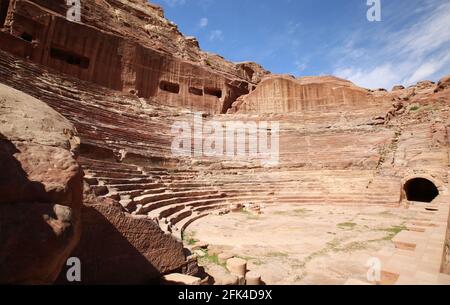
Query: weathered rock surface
{"x":285,"y":94}
{"x":40,"y":187}
{"x":221,"y":277}
{"x":116,"y":248}
{"x":398,"y":87}
{"x":237,"y":266}
{"x":180,"y":279}
{"x":444,"y":83}
{"x":127,"y":46}
{"x":123,"y":76}
{"x":253,"y":278}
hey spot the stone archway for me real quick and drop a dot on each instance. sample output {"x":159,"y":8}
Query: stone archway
{"x":420,"y":189}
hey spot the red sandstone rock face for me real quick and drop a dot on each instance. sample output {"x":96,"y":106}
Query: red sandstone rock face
{"x":127,"y":46}
{"x":118,"y":249}
{"x":40,"y":187}
{"x":41,"y":211}
{"x":444,"y":83}
{"x":285,"y":94}
{"x":339,"y":143}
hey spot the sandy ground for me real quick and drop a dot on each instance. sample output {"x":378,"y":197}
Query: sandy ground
{"x":294,"y":244}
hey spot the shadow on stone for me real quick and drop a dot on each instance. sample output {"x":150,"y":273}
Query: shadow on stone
{"x":36,"y":234}
{"x":14,"y":183}
{"x":110,"y":255}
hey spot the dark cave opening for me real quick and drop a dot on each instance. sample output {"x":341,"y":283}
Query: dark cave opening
{"x":421,"y":190}
{"x":27,"y":37}
{"x":213,"y":92}
{"x":4,"y":5}
{"x":169,"y":87}
{"x":70,"y":58}
{"x":196,"y":91}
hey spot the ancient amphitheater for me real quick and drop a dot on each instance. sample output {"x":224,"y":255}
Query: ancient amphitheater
{"x":362,"y":174}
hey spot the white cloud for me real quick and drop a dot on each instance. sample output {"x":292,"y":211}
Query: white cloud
{"x":427,"y":35}
{"x":293,"y":27}
{"x":430,"y":68}
{"x":379,"y":77}
{"x":407,"y":56}
{"x":301,"y":65}
{"x":173,"y":3}
{"x":203,"y":22}
{"x":216,"y":35}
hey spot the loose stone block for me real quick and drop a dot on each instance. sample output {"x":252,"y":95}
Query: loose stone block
{"x":253,"y":279}
{"x":180,"y":279}
{"x":237,"y":266}
{"x":241,"y":280}
{"x":224,"y":257}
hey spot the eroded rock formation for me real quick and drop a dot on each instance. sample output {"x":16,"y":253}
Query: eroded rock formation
{"x":42,"y":214}
{"x":125,"y":74}
{"x":127,"y":46}
{"x":285,"y":94}
{"x":116,"y":248}
{"x":40,"y":187}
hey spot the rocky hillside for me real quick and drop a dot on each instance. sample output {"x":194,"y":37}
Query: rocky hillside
{"x":126,"y":46}
{"x":86,"y":116}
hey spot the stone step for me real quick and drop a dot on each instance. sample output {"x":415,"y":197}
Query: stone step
{"x":117,"y":195}
{"x":408,"y":240}
{"x":134,"y":187}
{"x":117,"y":181}
{"x":119,"y":175}
{"x":155,"y":169}
{"x":154,"y":191}
{"x":112,"y":168}
{"x":95,"y":162}
{"x":135,"y":193}
{"x":341,"y":203}
{"x":161,"y":174}
{"x":182,"y":225}
{"x":178,"y":279}
{"x":195,"y":205}
{"x":178,"y":178}
{"x":180,"y":215}
{"x":149,"y":199}
{"x":154,"y":209}
{"x":190,"y":189}
{"x":188,"y":212}
{"x":171,"y":185}
{"x":166,"y":212}
{"x":125,"y":171}
{"x":213,"y":207}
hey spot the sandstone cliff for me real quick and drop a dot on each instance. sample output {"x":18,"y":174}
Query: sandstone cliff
{"x":122,"y":77}
{"x":285,"y":94}
{"x":127,"y":46}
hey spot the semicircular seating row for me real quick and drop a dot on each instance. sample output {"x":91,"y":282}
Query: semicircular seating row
{"x":176,"y":198}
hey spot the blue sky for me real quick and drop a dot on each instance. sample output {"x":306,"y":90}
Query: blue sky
{"x":320,"y":37}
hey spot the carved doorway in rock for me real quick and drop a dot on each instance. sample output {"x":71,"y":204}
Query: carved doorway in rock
{"x":421,"y":190}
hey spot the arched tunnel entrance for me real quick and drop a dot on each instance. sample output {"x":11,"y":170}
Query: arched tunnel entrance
{"x":421,"y":189}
